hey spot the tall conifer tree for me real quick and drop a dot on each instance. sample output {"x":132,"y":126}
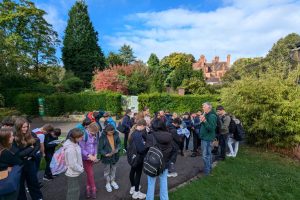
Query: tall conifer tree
{"x":81,"y":52}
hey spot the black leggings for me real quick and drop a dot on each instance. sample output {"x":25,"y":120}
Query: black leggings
{"x":125,"y":140}
{"x":29,"y":176}
{"x":48,"y":159}
{"x":135,"y":176}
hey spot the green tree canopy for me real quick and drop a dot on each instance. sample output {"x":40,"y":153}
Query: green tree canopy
{"x":277,"y":60}
{"x":175,"y":60}
{"x":113,"y":59}
{"x":126,"y":54}
{"x":81,"y":52}
{"x":27,"y":39}
{"x":153,"y":61}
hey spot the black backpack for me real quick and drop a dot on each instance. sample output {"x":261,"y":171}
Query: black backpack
{"x":133,"y":157}
{"x":121,"y":127}
{"x":232,"y":126}
{"x":236,"y":129}
{"x":153,"y":162}
{"x":240,"y":132}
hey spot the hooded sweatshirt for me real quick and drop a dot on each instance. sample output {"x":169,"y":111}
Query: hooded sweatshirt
{"x":73,"y":159}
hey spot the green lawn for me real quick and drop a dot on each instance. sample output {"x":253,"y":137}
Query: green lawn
{"x":254,"y":174}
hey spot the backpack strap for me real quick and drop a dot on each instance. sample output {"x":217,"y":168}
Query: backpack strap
{"x":154,"y":140}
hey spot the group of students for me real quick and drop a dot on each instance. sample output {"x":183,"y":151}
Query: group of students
{"x":21,"y":151}
{"x":90,"y":142}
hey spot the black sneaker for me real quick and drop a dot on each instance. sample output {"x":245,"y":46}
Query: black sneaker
{"x":194,"y":154}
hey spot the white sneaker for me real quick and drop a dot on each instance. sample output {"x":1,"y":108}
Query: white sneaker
{"x":138,"y":195}
{"x":229,"y":155}
{"x":131,"y":190}
{"x":173,"y":174}
{"x":108,"y":187}
{"x":114,"y":185}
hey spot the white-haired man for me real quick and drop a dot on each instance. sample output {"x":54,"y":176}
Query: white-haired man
{"x":207,"y":135}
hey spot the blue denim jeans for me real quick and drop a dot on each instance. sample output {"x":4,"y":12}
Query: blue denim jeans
{"x":163,"y":182}
{"x":206,"y":156}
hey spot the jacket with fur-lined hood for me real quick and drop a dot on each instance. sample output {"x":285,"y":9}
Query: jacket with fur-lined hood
{"x":73,"y":159}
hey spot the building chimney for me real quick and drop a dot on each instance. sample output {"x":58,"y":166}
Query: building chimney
{"x":202,"y":60}
{"x":228,"y":60}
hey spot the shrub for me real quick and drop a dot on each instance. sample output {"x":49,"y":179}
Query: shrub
{"x":61,"y":103}
{"x":28,"y":103}
{"x":174,"y":103}
{"x":73,"y":84}
{"x":269,"y":108}
{"x":1,"y":100}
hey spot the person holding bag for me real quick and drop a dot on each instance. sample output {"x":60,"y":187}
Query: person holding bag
{"x":10,"y":169}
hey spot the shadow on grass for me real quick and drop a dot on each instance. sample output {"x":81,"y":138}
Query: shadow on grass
{"x":253,"y":174}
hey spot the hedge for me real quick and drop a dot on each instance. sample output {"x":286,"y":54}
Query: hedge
{"x":175,"y":103}
{"x":61,"y":103}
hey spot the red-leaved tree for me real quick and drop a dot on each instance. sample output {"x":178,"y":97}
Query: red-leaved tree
{"x":113,"y":79}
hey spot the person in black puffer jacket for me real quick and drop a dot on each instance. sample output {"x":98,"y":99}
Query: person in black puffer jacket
{"x":26,"y":145}
{"x":7,"y":160}
{"x":164,"y":142}
{"x":137,"y":137}
{"x":177,"y":143}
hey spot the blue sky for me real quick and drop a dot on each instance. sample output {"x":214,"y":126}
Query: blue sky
{"x":242,"y":28}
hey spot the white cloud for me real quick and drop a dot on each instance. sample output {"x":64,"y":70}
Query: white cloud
{"x":241,"y":28}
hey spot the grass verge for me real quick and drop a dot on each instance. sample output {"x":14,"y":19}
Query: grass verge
{"x":254,"y":174}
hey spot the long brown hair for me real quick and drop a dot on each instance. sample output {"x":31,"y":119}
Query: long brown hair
{"x":21,"y":138}
{"x":5,"y":134}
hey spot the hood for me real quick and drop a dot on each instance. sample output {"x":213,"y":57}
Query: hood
{"x":68,"y":143}
{"x":163,"y":137}
{"x":110,"y":119}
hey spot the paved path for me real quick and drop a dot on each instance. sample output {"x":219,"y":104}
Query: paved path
{"x":187,"y":168}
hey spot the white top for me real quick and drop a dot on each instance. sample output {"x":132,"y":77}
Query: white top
{"x":73,"y":159}
{"x":41,"y":136}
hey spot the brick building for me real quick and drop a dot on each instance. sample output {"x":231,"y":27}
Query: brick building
{"x":213,"y":71}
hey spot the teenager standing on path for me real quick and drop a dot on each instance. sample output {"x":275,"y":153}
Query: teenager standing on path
{"x":8,"y":158}
{"x":50,"y":146}
{"x":138,"y":137}
{"x":89,"y":156}
{"x":127,"y":123}
{"x":164,"y":142}
{"x":74,"y":164}
{"x":207,"y":135}
{"x":223,"y":137}
{"x":26,"y":145}
{"x":108,"y":149}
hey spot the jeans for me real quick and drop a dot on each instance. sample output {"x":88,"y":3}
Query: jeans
{"x":236,"y":146}
{"x":135,"y":176}
{"x":88,"y":168}
{"x":206,"y":156}
{"x":163,"y":182}
{"x":110,"y":172}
